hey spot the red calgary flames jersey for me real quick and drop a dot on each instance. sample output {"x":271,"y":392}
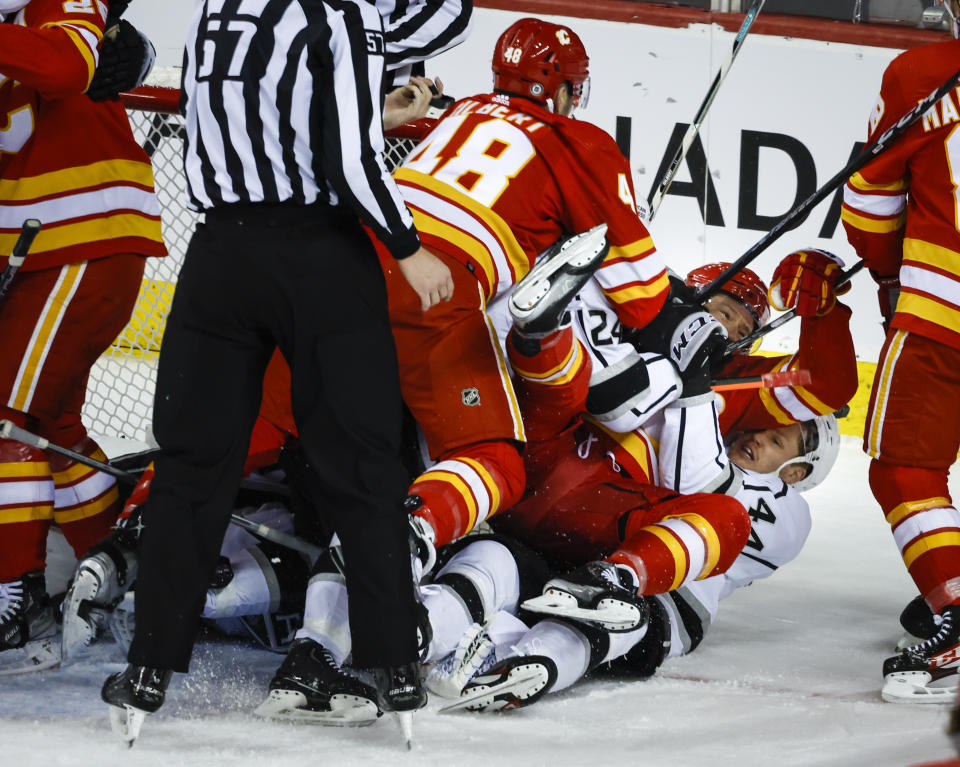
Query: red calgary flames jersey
{"x":500,"y":179}
{"x":902,"y":211}
{"x":64,"y":159}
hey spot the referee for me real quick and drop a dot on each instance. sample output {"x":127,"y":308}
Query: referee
{"x":282,"y":100}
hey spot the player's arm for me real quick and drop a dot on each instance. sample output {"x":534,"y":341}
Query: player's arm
{"x":57,"y":53}
{"x":875,"y":200}
{"x":419,"y":30}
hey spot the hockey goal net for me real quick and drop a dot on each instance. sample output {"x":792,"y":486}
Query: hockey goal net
{"x":121,"y":385}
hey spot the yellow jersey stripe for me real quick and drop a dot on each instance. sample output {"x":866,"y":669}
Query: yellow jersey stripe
{"x":875,"y":225}
{"x":711,"y":541}
{"x":928,"y":543}
{"x":17,"y":514}
{"x":488,"y":481}
{"x":634,"y":292}
{"x":883,"y":391}
{"x":681,"y":562}
{"x":22,"y":469}
{"x":857,"y":181}
{"x":463,"y":489}
{"x":92,"y":230}
{"x":630,"y":250}
{"x":87,"y":510}
{"x":518,"y":260}
{"x":896,"y":515}
{"x":56,"y":182}
{"x":470,"y":245}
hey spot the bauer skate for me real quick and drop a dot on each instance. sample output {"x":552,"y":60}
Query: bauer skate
{"x":513,"y":683}
{"x":132,"y":694}
{"x":399,"y":690}
{"x":310,"y":687}
{"x":28,"y":640}
{"x":540,"y":298}
{"x":926,"y":672}
{"x":599,"y":593}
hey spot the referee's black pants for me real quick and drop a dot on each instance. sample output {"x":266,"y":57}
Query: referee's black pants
{"x":306,"y":280}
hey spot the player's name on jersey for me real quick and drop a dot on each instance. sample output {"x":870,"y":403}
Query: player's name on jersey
{"x":501,"y":110}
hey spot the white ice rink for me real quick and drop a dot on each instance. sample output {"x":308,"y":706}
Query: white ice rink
{"x":789,"y":675}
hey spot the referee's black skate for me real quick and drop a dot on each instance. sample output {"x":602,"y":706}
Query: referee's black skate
{"x":927,"y":671}
{"x":399,"y":689}
{"x":539,"y":300}
{"x":310,"y":687}
{"x":132,"y":694}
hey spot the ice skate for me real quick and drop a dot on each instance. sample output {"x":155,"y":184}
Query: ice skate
{"x":310,"y":687}
{"x":474,"y":654}
{"x":926,"y":672}
{"x":399,"y":690}
{"x":132,"y":694}
{"x":540,"y":298}
{"x":28,"y":640}
{"x":598,"y":593}
{"x":101,"y":580}
{"x":513,"y":683}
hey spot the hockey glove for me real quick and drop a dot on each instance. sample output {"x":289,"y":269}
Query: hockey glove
{"x":126,"y":58}
{"x":806,"y":281}
{"x":888,"y":293}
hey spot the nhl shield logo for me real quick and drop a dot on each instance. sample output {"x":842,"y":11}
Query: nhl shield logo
{"x":470,"y":397}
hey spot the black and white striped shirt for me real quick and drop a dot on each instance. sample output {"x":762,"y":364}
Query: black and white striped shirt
{"x":282,"y":100}
{"x":417,"y":30}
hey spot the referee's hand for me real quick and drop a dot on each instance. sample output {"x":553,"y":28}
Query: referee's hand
{"x":428,"y":276}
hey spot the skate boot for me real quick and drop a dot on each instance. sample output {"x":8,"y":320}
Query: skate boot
{"x":101,"y":580}
{"x":926,"y":672}
{"x":310,"y":687}
{"x":918,"y":622}
{"x":475,"y":653}
{"x":132,"y":694}
{"x":513,"y":683}
{"x":598,"y":593}
{"x":540,"y":298}
{"x":399,"y":690}
{"x":27,"y":626}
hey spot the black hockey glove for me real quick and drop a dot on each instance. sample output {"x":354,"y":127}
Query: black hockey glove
{"x":126,"y":58}
{"x":691,"y":338}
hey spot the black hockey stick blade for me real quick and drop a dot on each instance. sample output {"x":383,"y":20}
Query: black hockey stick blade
{"x":869,"y":152}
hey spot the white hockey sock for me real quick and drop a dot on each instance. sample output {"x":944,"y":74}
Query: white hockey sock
{"x":449,"y":619}
{"x":247,"y":593}
{"x":563,"y":644}
{"x":325,"y":618}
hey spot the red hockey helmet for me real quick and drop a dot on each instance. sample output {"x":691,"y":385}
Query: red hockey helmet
{"x":533,"y":58}
{"x":745,"y":286}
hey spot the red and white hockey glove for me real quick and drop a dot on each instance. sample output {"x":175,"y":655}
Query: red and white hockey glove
{"x":806,"y":281}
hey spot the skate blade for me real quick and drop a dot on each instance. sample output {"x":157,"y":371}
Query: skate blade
{"x":609,"y":614}
{"x":345,"y":710}
{"x":78,"y":632}
{"x":126,"y":722}
{"x":37,"y":655}
{"x":521,"y":682}
{"x":910,"y":687}
{"x":405,"y":718}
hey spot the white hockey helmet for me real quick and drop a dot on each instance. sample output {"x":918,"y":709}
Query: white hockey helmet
{"x":821,"y":446}
{"x":12,"y":6}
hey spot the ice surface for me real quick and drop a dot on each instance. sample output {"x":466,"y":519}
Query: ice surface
{"x":789,"y":675}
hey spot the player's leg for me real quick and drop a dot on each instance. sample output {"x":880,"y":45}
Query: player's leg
{"x":913,"y":434}
{"x":456,"y":383}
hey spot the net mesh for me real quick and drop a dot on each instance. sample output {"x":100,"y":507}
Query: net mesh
{"x":121,"y":384}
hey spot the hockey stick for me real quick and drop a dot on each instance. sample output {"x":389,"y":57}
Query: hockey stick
{"x":763,"y":381}
{"x":29,"y":230}
{"x":869,"y":152}
{"x":9,"y":430}
{"x":747,"y":341}
{"x":659,"y":191}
